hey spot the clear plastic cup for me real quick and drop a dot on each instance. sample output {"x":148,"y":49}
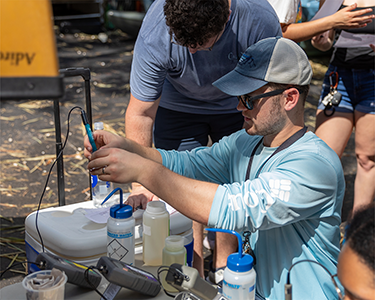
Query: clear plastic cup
{"x":52,"y":293}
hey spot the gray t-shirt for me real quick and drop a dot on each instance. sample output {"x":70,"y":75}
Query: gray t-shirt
{"x":184,"y":80}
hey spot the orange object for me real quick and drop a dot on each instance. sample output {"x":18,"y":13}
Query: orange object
{"x":27,"y":40}
{"x":28,"y":53}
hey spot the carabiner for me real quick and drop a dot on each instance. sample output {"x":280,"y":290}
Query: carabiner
{"x":333,"y":87}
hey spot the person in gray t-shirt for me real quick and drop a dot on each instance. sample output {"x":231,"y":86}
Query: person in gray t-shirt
{"x":182,"y":47}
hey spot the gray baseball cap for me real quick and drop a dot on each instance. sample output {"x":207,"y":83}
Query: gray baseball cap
{"x":276,"y":59}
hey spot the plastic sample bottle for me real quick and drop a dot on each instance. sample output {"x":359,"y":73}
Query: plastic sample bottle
{"x":239,"y":275}
{"x":174,"y":252}
{"x":100,"y":189}
{"x":120,"y":231}
{"x":155,"y":230}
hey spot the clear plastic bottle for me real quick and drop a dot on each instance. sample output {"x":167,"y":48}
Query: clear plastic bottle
{"x":120,"y":232}
{"x":173,"y":252}
{"x":100,"y":189}
{"x":155,"y":230}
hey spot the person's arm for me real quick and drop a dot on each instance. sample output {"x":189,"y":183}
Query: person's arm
{"x":139,"y":121}
{"x":144,"y":165}
{"x":324,"y":41}
{"x":343,"y":19}
{"x":148,"y":71}
{"x":191,"y":197}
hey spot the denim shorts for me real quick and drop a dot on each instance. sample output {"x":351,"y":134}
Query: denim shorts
{"x":357,"y":87}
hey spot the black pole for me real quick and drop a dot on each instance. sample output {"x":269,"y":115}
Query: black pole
{"x":86,"y":75}
{"x":89,"y":115}
{"x":60,"y":163}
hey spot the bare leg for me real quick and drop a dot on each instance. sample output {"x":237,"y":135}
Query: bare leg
{"x":334,"y":130}
{"x":225,"y":245}
{"x":198,"y":259}
{"x":364,"y":185}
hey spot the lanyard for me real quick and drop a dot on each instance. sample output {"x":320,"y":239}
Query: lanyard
{"x":283,"y":146}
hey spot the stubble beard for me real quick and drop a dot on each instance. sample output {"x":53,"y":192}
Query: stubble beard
{"x":274,"y":123}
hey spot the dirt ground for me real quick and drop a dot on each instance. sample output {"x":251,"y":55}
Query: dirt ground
{"x":27,"y":139}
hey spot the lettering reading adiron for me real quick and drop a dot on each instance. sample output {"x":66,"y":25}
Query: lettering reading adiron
{"x":16,"y":58}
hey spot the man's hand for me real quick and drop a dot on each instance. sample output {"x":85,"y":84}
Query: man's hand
{"x":103,"y":139}
{"x":346,"y":18}
{"x":117,"y":165}
{"x":144,"y":166}
{"x":140,"y":196}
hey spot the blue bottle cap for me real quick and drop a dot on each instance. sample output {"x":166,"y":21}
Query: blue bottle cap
{"x":121,"y":212}
{"x":237,"y":262}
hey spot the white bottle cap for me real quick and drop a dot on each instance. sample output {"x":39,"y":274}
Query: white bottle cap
{"x":174,"y":242}
{"x":98,"y":126}
{"x":156,"y":207}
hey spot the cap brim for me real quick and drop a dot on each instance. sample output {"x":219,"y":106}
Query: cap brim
{"x":236,"y":84}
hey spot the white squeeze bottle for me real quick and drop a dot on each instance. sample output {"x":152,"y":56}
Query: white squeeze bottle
{"x":100,"y":189}
{"x":173,"y":252}
{"x":120,"y":231}
{"x":155,"y":230}
{"x":239,"y":275}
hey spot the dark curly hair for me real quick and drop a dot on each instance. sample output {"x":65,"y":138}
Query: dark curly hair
{"x":360,"y":235}
{"x":193,"y":22}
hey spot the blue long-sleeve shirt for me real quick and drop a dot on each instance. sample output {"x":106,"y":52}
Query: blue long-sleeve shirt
{"x":292,"y":208}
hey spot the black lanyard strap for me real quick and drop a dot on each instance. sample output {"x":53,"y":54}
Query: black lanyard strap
{"x":295,"y":137}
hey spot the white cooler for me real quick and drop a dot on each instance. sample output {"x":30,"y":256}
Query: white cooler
{"x":68,"y":233}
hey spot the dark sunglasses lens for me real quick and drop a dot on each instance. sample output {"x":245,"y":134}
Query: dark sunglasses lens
{"x":244,"y":99}
{"x":250,"y":104}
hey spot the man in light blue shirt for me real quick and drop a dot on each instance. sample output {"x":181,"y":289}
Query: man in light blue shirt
{"x":272,"y":178}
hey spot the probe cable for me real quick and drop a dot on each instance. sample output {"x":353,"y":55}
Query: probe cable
{"x":49,"y":174}
{"x":178,"y":275}
{"x":15,"y":264}
{"x":288,"y":285}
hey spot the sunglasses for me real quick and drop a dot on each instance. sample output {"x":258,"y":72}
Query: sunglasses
{"x":248,"y":101}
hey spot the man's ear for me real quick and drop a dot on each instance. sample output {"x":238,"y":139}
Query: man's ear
{"x":291,"y":98}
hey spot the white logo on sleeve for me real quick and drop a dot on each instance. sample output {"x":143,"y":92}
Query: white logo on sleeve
{"x":264,"y":199}
{"x":280,"y":188}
